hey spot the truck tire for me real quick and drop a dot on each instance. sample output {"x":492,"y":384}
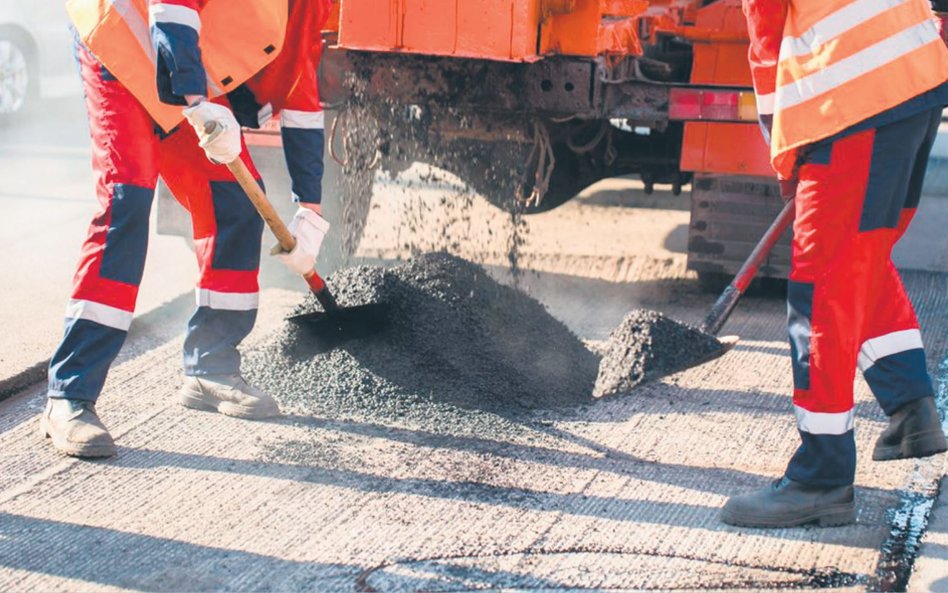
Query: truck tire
{"x":347,"y":198}
{"x":567,"y":180}
{"x":713,"y":282}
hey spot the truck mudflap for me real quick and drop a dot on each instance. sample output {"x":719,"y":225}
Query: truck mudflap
{"x":729,"y":214}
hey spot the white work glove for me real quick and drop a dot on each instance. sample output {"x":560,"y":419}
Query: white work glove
{"x":217,"y":130}
{"x":310,"y":229}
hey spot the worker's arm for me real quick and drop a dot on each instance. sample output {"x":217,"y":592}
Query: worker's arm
{"x":301,"y":120}
{"x":175,"y":30}
{"x":181,"y":79}
{"x":301,"y":126}
{"x":302,"y":129}
{"x":941,"y":13}
{"x":765,"y":23}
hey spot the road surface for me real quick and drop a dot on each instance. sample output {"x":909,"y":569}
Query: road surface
{"x":622,"y":494}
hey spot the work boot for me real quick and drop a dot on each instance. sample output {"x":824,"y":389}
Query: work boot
{"x":786,"y":503}
{"x":75,"y":428}
{"x":228,"y":394}
{"x":914,"y":431}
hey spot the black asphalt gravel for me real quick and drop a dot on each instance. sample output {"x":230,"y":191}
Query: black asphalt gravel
{"x":458,"y":341}
{"x":648,"y":345}
{"x":455,"y":338}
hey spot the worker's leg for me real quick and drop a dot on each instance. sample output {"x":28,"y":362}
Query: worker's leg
{"x":106,"y":283}
{"x":837,"y":266}
{"x":847,"y":302}
{"x":110,"y":268}
{"x":834,"y":268}
{"x":849,"y":204}
{"x":892,"y":356}
{"x":227,"y":240}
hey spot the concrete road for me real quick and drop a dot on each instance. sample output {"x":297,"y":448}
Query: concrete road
{"x":622,"y":494}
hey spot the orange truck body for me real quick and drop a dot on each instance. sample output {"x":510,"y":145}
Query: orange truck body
{"x":529,"y":30}
{"x":518,"y":30}
{"x":655,"y":88}
{"x":660,"y":89}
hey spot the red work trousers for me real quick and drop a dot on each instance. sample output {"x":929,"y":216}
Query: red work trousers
{"x":128,"y":155}
{"x":847,"y":305}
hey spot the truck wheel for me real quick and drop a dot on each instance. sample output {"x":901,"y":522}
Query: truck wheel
{"x":729,"y":215}
{"x":569,"y":177}
{"x":713,"y":282}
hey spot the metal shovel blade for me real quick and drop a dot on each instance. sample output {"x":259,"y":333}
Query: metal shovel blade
{"x":329,"y":330}
{"x":727,"y":344}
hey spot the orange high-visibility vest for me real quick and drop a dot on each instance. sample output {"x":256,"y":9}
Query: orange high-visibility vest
{"x":238,"y":38}
{"x":844,"y":61}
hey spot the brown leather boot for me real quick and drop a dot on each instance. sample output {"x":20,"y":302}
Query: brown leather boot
{"x":914,"y":431}
{"x":75,"y":428}
{"x":786,"y":503}
{"x":228,"y":394}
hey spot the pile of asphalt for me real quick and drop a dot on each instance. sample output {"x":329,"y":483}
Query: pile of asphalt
{"x":456,"y":340}
{"x":647,"y":345}
{"x":460,"y":348}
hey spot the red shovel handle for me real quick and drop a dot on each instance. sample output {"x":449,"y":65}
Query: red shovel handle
{"x":732,"y":294}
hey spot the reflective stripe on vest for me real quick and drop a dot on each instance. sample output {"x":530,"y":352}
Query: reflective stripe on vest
{"x":238,"y":38}
{"x":844,"y":61}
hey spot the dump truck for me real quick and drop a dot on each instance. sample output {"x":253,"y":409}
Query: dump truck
{"x":554,"y":95}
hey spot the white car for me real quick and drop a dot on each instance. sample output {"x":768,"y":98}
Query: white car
{"x":36,"y":54}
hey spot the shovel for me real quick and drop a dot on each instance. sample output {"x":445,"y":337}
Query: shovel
{"x":334,"y":324}
{"x":726,"y":303}
{"x":621,"y":357}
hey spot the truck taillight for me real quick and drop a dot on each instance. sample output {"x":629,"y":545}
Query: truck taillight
{"x":689,"y":104}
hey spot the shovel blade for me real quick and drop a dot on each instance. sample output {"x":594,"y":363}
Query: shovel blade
{"x":727,"y":344}
{"x":330,"y":330}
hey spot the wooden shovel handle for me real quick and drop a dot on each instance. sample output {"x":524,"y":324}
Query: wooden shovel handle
{"x":283,"y":236}
{"x":262,"y":204}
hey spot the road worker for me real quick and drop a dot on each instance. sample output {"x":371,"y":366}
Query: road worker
{"x":850,"y":94}
{"x":151,"y":89}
